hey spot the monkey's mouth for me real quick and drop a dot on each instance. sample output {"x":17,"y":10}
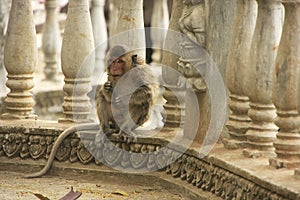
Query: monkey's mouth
{"x":116,"y":76}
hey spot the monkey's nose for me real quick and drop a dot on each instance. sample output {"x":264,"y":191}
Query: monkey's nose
{"x":114,"y":67}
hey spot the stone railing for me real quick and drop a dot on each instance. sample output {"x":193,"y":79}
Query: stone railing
{"x":262,"y":77}
{"x":263,"y":81}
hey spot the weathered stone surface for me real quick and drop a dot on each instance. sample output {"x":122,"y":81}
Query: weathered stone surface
{"x":4,"y":14}
{"x":219,"y":21}
{"x":262,"y":130}
{"x":224,"y":174}
{"x":286,"y":74}
{"x":20,"y":57}
{"x":130,"y":25}
{"x":77,"y":61}
{"x":100,"y":37}
{"x":236,"y":71}
{"x":51,"y":41}
{"x":159,"y":21}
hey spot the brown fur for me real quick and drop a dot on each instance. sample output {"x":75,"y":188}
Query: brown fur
{"x":139,"y":102}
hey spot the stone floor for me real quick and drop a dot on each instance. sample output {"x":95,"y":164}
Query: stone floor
{"x":14,"y":187}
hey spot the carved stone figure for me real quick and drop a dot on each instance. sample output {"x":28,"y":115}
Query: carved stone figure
{"x":192,"y":25}
{"x":192,"y":21}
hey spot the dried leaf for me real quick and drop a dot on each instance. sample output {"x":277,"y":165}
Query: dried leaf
{"x":121,"y":193}
{"x":40,"y":196}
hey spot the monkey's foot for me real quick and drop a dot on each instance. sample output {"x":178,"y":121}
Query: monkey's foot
{"x":128,"y":136}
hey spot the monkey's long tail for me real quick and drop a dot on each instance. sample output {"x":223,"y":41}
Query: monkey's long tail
{"x":57,"y":143}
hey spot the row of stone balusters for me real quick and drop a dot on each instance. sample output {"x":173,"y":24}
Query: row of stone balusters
{"x":51,"y":36}
{"x":262,"y":77}
{"x":20,"y":57}
{"x":83,"y":32}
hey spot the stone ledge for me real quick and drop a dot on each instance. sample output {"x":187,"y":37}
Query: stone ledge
{"x":103,"y":173}
{"x":226,"y":174}
{"x":258,"y":171}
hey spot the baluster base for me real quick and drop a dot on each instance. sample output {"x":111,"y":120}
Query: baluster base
{"x":254,"y":153}
{"x":71,"y":120}
{"x":174,"y":112}
{"x":237,"y":133}
{"x":297,"y":173}
{"x":285,"y":163}
{"x":232,"y":144}
{"x":238,"y":123}
{"x":9,"y":116}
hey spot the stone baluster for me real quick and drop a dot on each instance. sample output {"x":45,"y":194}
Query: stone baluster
{"x":262,"y":130}
{"x":77,"y":61}
{"x":169,"y":59}
{"x":130,"y":27}
{"x":285,"y":90}
{"x":51,"y":40}
{"x":20,"y":58}
{"x":114,"y":11}
{"x":237,"y":61}
{"x":159,"y":20}
{"x":100,"y":36}
{"x":4,"y":14}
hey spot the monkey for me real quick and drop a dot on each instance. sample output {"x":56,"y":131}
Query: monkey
{"x":132,"y":99}
{"x":131,"y":70}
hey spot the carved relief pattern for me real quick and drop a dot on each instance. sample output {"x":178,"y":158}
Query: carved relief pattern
{"x":25,"y":148}
{"x":1,"y":145}
{"x":49,"y":142}
{"x":200,"y":173}
{"x":83,"y":154}
{"x":192,"y":25}
{"x":73,"y":153}
{"x":64,"y":151}
{"x":12,"y":144}
{"x":37,"y":146}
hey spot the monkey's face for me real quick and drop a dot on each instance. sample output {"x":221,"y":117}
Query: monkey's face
{"x":117,"y":68}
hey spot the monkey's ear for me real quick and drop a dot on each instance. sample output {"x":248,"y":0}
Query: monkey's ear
{"x":134,"y":60}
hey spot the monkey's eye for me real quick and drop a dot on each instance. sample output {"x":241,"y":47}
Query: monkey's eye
{"x":119,"y":61}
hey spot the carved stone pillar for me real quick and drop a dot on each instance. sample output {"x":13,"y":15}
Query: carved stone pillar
{"x":130,"y":27}
{"x":159,"y":20}
{"x":285,"y":91}
{"x":4,"y":14}
{"x":51,"y":40}
{"x":77,"y":45}
{"x":237,"y":61}
{"x":262,"y":130}
{"x":169,"y":59}
{"x":20,"y":58}
{"x":114,"y":11}
{"x":100,"y":35}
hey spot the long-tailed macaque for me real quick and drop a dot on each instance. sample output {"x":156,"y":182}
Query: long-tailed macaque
{"x":121,"y":107}
{"x":125,"y":106}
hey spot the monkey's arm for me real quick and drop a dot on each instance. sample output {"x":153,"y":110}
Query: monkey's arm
{"x":104,"y":111}
{"x":140,"y":104}
{"x":106,"y":90}
{"x":143,"y":97}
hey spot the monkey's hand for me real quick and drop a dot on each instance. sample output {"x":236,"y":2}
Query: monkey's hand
{"x":107,"y":89}
{"x":108,"y":86}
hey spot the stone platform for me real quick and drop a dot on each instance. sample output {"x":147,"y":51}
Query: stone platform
{"x":222,"y":174}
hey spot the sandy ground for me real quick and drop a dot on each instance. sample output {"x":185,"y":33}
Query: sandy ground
{"x":14,"y":187}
